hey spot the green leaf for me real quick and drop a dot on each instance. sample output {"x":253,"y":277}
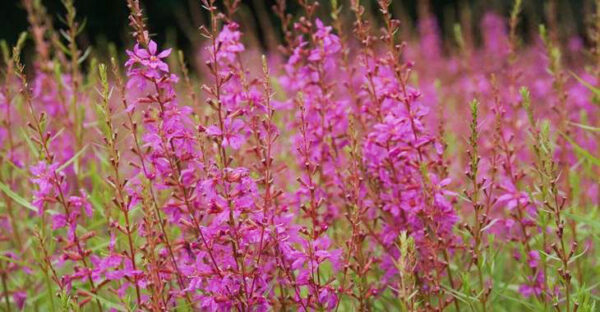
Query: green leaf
{"x":32,"y":146}
{"x":595,"y":90}
{"x":85,"y":55}
{"x":589,"y":221}
{"x":582,"y":151}
{"x":104,"y":301}
{"x":70,"y":161}
{"x":586,"y":127}
{"x":20,"y":200}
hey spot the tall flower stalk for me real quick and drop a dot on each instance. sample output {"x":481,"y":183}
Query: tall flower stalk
{"x":326,"y":175}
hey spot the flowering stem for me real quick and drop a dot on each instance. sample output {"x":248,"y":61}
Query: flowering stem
{"x":43,"y":141}
{"x":476,"y":230}
{"x":132,"y":126}
{"x":266,"y":161}
{"x":118,"y":184}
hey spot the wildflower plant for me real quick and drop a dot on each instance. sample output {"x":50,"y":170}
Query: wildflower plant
{"x":358,"y":167}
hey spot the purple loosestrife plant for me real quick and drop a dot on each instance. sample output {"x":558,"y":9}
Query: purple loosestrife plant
{"x":344,"y":171}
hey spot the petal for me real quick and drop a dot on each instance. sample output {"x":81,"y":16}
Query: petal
{"x":164,"y":53}
{"x":59,"y":221}
{"x":213,"y":131}
{"x":142,"y":53}
{"x":319,"y":23}
{"x":163,"y":66}
{"x":152,"y":47}
{"x":236,"y":141}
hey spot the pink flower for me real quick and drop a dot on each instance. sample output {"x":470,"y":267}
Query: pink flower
{"x":328,"y":298}
{"x":148,"y":57}
{"x":79,"y":202}
{"x":330,"y":44}
{"x":533,"y":258}
{"x":534,"y":286}
{"x":229,"y":43}
{"x":513,"y":198}
{"x":19,"y":297}
{"x":231,"y":134}
{"x":59,"y":220}
{"x":44,"y":177}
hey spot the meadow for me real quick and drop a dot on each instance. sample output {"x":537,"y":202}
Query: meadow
{"x":356,"y":162}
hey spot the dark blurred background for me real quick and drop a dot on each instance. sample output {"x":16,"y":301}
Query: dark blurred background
{"x":176,"y":21}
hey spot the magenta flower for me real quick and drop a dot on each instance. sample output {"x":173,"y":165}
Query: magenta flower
{"x":231,"y":134}
{"x":533,"y":258}
{"x":43,"y":177}
{"x":328,"y":298}
{"x":337,"y":184}
{"x":228,"y":42}
{"x":19,"y":297}
{"x":329,"y":43}
{"x":148,"y":57}
{"x":534,"y":286}
{"x":513,"y":198}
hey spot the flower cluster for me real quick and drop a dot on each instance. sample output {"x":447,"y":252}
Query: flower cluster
{"x":356,"y":168}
